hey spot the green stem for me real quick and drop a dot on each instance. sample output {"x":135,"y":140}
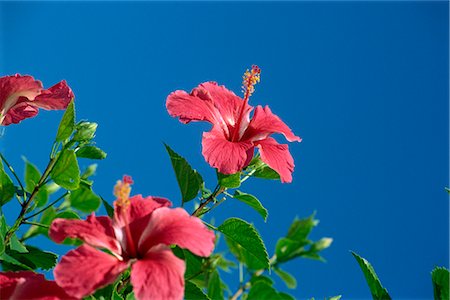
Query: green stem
{"x":14,"y":174}
{"x":26,"y":204}
{"x":35,"y":224}
{"x":47,"y":207}
{"x":217,"y":191}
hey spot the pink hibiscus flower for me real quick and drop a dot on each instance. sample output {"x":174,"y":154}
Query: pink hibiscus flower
{"x":31,"y":286}
{"x":230,"y":145}
{"x":22,"y":96}
{"x":139,"y":236}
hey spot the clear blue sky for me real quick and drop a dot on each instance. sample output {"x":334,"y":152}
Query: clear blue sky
{"x":364,"y":84}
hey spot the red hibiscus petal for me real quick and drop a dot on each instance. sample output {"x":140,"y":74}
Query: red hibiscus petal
{"x":208,"y":102}
{"x":96,"y":231}
{"x":139,"y":207}
{"x":29,"y":285}
{"x":277,"y":156}
{"x":160,"y":275}
{"x":14,"y":87}
{"x":228,"y":157}
{"x":85,"y":269}
{"x":175,"y":226}
{"x":56,"y":97}
{"x":264,"y":123}
{"x":18,"y":112}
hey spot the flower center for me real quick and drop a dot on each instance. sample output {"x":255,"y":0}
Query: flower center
{"x":249,"y":80}
{"x":122,"y":191}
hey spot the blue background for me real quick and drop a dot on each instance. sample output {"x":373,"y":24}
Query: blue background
{"x":364,"y":84}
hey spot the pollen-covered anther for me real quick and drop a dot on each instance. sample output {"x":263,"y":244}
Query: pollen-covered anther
{"x":250,"y":79}
{"x":122,"y":191}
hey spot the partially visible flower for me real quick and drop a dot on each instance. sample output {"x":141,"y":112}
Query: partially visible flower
{"x":22,"y":96}
{"x":139,"y":235}
{"x":29,"y":285}
{"x":230,"y":144}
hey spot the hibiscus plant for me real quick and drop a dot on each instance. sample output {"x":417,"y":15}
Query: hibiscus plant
{"x":144,"y":248}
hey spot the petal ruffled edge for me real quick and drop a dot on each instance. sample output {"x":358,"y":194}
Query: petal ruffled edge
{"x":56,"y":97}
{"x":264,"y":123}
{"x":278,"y":157}
{"x":160,"y":275}
{"x":85,"y":269}
{"x":175,"y":226}
{"x":96,"y":231}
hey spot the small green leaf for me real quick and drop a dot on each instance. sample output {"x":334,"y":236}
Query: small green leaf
{"x":32,"y":177}
{"x":109,"y":209}
{"x":265,"y":279}
{"x":288,"y":279}
{"x":90,"y":171}
{"x":193,"y":292}
{"x":67,"y":124}
{"x":33,"y":259}
{"x":287,"y":249}
{"x":7,"y":188}
{"x":246,"y":236}
{"x":66,"y":172}
{"x":84,"y":199}
{"x":3,"y":230}
{"x":285,"y":296}
{"x":260,"y":169}
{"x":377,"y":290}
{"x":440,"y":279}
{"x":262,"y":290}
{"x":338,"y":297}
{"x":9,"y":263}
{"x":92,"y":152}
{"x":253,"y":202}
{"x":229,"y":181}
{"x":130,"y":296}
{"x":321,"y":244}
{"x":85,"y":131}
{"x":301,"y":228}
{"x":215,"y":291}
{"x":189,"y":180}
{"x":16,"y":245}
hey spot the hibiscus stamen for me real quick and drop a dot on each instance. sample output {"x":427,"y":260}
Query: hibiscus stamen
{"x":122,"y":191}
{"x":250,"y":79}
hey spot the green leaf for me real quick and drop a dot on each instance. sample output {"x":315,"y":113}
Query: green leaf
{"x":287,"y":249}
{"x":16,"y":245}
{"x":7,"y":188}
{"x":338,"y":297}
{"x":85,"y":131}
{"x":193,"y":292}
{"x":33,"y":259}
{"x":130,"y":296}
{"x":265,"y":279}
{"x":32,"y":177}
{"x":440,"y":279}
{"x":288,"y":279}
{"x":377,"y":290}
{"x":215,"y":291}
{"x":3,"y":230}
{"x":262,"y":170}
{"x":246,"y":236}
{"x":66,"y":172}
{"x":229,"y":181}
{"x":301,"y":228}
{"x":263,"y":291}
{"x":285,"y":296}
{"x":67,"y":124}
{"x":189,"y":180}
{"x":92,"y":152}
{"x":253,"y":202}
{"x":321,"y":244}
{"x":109,"y":209}
{"x":84,"y":199}
{"x":9,"y":263}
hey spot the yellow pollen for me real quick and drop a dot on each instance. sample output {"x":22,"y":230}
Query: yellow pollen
{"x":250,"y":79}
{"x":122,"y":191}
